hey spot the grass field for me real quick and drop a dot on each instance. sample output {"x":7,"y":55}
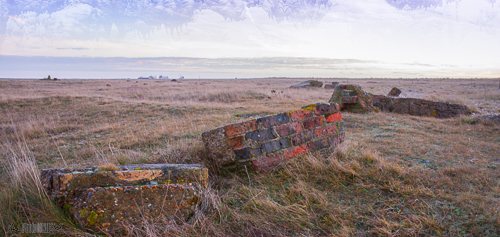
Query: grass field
{"x":395,"y":175}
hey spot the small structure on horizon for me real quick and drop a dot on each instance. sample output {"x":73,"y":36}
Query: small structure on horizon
{"x":150,"y":77}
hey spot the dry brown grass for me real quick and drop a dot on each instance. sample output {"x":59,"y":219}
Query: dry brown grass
{"x":395,"y":175}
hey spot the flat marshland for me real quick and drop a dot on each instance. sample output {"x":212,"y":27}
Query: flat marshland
{"x":395,"y":175}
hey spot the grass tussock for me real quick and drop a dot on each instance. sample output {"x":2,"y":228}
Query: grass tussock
{"x":23,"y":199}
{"x":395,"y":175}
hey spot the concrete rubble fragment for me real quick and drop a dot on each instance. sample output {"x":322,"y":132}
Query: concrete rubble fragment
{"x":351,"y":98}
{"x":102,"y":200}
{"x":331,"y":86}
{"x":307,"y":84}
{"x":263,"y":143}
{"x":395,"y":92}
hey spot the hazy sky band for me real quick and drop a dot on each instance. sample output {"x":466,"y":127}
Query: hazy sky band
{"x":441,"y":33}
{"x":117,"y":67}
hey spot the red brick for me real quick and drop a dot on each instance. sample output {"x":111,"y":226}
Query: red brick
{"x":334,"y":140}
{"x":313,"y":122}
{"x":329,"y":108}
{"x":303,"y":137}
{"x":337,"y":117}
{"x":318,"y":144}
{"x":287,"y":129}
{"x":274,"y":120}
{"x":295,"y":151}
{"x":260,"y":135}
{"x":235,"y":142}
{"x":247,"y":153}
{"x":326,"y":131}
{"x":266,"y":162}
{"x":240,"y":128}
{"x":300,"y":115}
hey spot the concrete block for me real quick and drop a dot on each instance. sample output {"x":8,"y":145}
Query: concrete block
{"x":102,"y":200}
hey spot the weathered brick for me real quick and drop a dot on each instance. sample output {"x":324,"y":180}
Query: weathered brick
{"x":261,"y":135}
{"x":303,"y":137}
{"x":240,"y":128}
{"x":334,"y":140}
{"x":326,"y":131}
{"x":274,"y":120}
{"x":235,"y":142}
{"x":295,"y":151}
{"x":216,"y":146}
{"x":301,"y":115}
{"x":318,"y":144}
{"x":267,"y":162}
{"x":313,"y":122}
{"x":247,"y":153}
{"x":288,"y":129}
{"x":329,"y":108}
{"x":333,"y":118}
{"x":341,"y":137}
{"x":276,"y":145}
{"x":340,"y":126}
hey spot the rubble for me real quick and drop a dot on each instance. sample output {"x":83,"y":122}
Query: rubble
{"x":307,"y":84}
{"x":395,"y":92}
{"x":351,"y":98}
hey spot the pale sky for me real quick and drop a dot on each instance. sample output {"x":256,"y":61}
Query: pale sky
{"x":249,"y":38}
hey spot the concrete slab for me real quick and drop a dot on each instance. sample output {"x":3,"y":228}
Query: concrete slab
{"x":102,"y":200}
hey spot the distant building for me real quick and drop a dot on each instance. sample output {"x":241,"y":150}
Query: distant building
{"x":150,"y":77}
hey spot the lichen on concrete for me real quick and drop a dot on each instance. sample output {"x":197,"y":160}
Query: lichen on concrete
{"x":102,"y":200}
{"x":352,"y":98}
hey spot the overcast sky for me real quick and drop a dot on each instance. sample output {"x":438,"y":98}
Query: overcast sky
{"x":249,"y":38}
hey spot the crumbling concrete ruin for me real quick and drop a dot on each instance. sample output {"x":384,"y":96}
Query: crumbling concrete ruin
{"x":419,"y":107}
{"x":353,"y":99}
{"x":109,"y":200}
{"x":263,"y":143}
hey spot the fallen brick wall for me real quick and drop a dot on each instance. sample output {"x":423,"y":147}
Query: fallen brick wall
{"x":264,"y":142}
{"x":103,"y":200}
